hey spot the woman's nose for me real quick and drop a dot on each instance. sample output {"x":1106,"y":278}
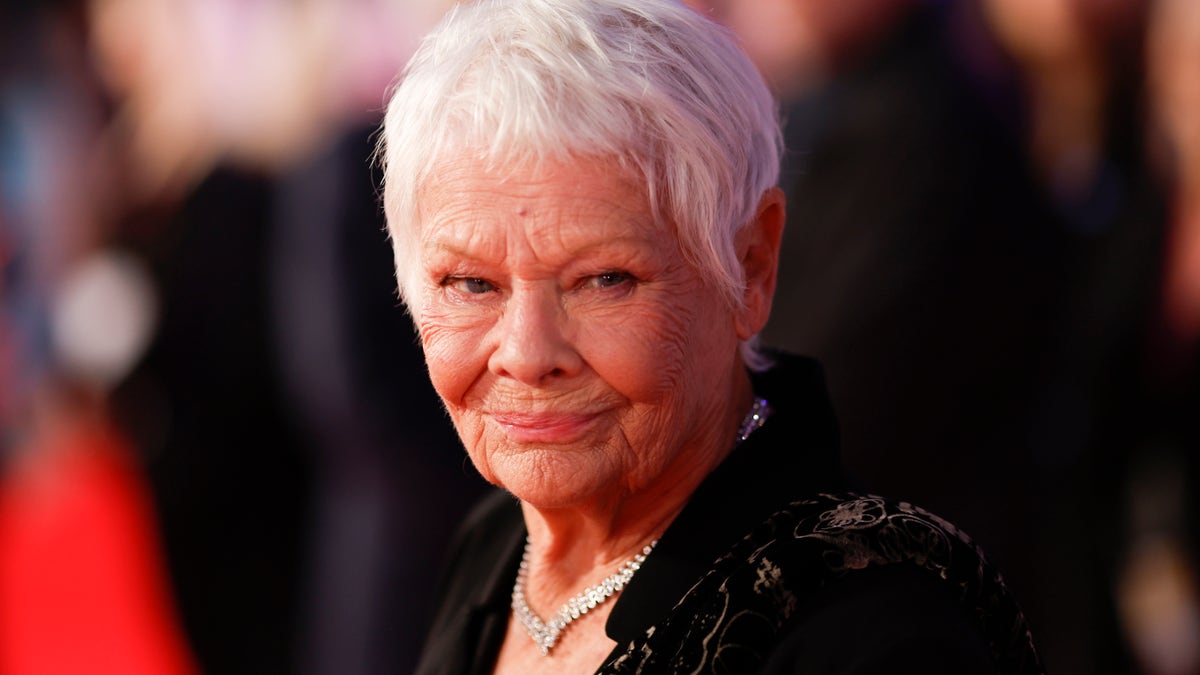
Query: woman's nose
{"x":532,"y":341}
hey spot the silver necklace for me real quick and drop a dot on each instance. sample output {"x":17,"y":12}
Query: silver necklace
{"x":545,"y":634}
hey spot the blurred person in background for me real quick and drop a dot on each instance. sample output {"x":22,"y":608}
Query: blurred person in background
{"x":1082,"y":77}
{"x":1174,"y":62}
{"x":1157,"y":579}
{"x":976,"y":255}
{"x":300,"y":451}
{"x":1106,"y":84}
{"x":919,"y":258}
{"x":82,"y":583}
{"x":223,"y":145}
{"x":1080,"y":69}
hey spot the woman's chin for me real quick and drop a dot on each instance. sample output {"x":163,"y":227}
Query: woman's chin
{"x":553,"y":483}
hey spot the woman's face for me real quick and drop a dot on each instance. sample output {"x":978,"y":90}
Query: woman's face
{"x":578,"y":353}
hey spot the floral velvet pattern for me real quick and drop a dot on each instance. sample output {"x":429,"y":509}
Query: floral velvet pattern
{"x":731,"y":619}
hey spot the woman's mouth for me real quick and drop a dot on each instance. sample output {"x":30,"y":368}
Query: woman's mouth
{"x":544,"y":427}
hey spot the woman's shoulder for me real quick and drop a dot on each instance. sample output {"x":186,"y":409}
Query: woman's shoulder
{"x":886,"y":584}
{"x":848,"y":581}
{"x":888,"y":619}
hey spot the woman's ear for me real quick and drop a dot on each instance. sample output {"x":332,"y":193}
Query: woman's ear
{"x":758,"y":249}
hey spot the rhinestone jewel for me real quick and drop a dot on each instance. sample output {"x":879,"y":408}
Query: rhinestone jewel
{"x":759,"y":412}
{"x":545,"y":634}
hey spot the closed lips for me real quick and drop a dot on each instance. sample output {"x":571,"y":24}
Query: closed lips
{"x":544,"y":427}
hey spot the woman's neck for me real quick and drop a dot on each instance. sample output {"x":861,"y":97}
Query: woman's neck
{"x":573,"y":548}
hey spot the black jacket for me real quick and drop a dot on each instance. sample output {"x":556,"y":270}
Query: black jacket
{"x":884,"y":618}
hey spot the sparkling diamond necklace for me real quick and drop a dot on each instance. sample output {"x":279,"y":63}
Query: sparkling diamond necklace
{"x":546,"y":633}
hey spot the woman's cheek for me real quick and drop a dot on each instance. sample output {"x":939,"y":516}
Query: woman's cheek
{"x":454,"y":354}
{"x":638,"y":350}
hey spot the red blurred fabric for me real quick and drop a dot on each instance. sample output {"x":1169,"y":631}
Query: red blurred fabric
{"x":82,"y":581}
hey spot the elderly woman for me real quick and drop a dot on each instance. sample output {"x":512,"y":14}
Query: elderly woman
{"x":581,"y":196}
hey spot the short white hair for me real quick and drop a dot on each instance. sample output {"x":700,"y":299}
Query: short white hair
{"x":664,"y":91}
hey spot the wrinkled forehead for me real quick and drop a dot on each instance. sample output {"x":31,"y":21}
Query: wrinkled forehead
{"x":546,"y":220}
{"x":531,"y":177}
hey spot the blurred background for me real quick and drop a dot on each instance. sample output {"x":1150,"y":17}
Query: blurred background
{"x":220,"y":453}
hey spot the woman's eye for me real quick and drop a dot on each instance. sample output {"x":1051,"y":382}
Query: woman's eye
{"x":610,"y":279}
{"x":472,"y":285}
